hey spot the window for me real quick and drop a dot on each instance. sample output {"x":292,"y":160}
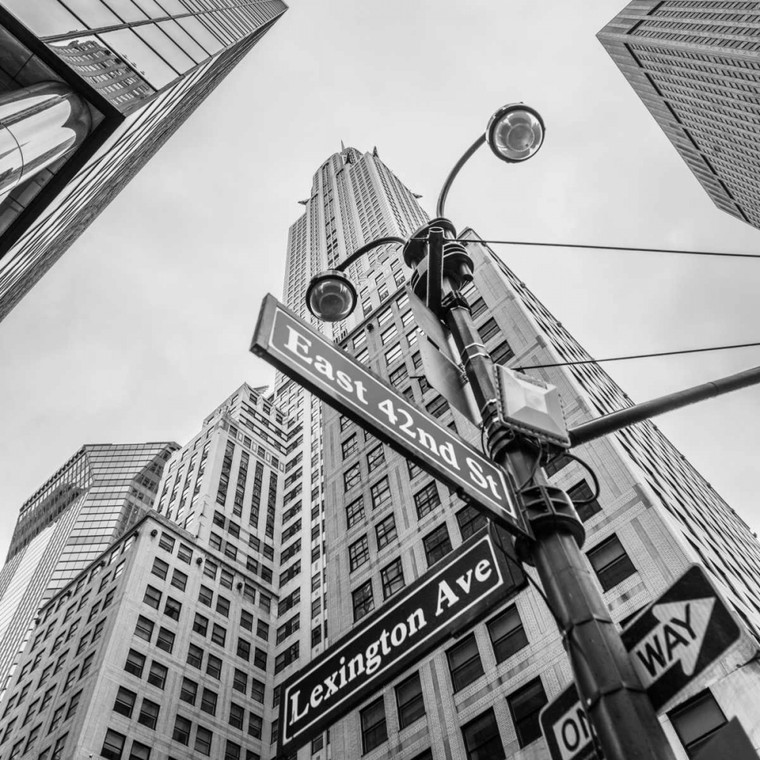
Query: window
{"x":113,"y":745}
{"x":214,"y":667}
{"x":246,"y":620}
{"x":58,"y":748}
{"x":219,"y":635}
{"x":477,"y":307}
{"x":507,"y":634}
{"x":240,"y":681}
{"x":286,"y":657}
{"x":172,"y":608}
{"x":209,"y":701}
{"x":262,"y":630}
{"x":398,"y":375}
{"x":502,"y":353}
{"x":139,"y":751}
{"x":181,"y":731}
{"x":135,"y":663}
{"x":165,"y":640}
{"x":464,"y":662}
{"x":205,"y":596}
{"x":351,"y":477}
{"x":376,"y":457}
{"x":610,"y":562}
{"x":166,"y":542}
{"x":349,"y":446}
{"x":470,"y":521}
{"x":696,"y":721}
{"x":255,"y":725}
{"x":237,"y":716}
{"x":381,"y":494}
{"x":413,"y":469}
{"x":203,"y":739}
{"x":195,"y":656}
{"x":152,"y":597}
{"x":481,"y":738}
{"x":393,"y":354}
{"x":244,"y":649}
{"x":179,"y":580}
{"x":157,"y":674}
{"x":438,"y":406}
{"x":556,"y":464}
{"x":125,"y":702}
{"x":385,"y":531}
{"x":488,"y":329}
{"x":525,"y":705}
{"x":185,"y":553}
{"x":358,"y":553}
{"x":427,"y":499}
{"x":374,"y":729}
{"x":409,"y":700}
{"x":392,"y":578}
{"x":200,"y":624}
{"x":148,"y":714}
{"x":437,"y":544}
{"x":223,"y":606}
{"x":160,"y":568}
{"x":582,"y":492}
{"x":354,"y":512}
{"x":189,"y":691}
{"x":362,"y":600}
{"x":257,"y":690}
{"x":86,"y":665}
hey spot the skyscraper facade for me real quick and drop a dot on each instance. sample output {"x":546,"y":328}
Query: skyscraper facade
{"x":144,"y":655}
{"x":68,"y":522}
{"x":387,"y":521}
{"x":119,"y":78}
{"x":694,"y":65}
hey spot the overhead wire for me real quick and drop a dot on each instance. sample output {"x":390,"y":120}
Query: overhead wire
{"x":612,"y":248}
{"x":640,"y":356}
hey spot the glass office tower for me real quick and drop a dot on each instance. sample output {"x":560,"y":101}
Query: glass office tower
{"x":695,"y":66}
{"x":89,"y":91}
{"x":68,"y":522}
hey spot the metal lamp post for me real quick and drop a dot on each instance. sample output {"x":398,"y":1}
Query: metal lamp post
{"x":619,"y":709}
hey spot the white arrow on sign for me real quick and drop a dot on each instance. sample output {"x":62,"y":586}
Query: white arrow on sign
{"x":678,"y":637}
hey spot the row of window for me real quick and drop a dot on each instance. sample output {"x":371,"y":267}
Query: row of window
{"x":481,"y":735}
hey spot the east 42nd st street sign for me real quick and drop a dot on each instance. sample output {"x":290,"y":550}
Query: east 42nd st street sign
{"x":301,"y":353}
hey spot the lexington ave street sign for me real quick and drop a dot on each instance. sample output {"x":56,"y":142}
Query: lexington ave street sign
{"x":679,"y":635}
{"x":670,"y":643}
{"x":321,"y":367}
{"x":468,"y":583}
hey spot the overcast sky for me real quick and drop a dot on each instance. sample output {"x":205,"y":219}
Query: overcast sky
{"x":144,"y":325}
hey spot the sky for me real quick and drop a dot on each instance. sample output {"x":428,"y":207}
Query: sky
{"x":143,"y":326}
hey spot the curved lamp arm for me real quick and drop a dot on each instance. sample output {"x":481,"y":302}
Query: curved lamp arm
{"x":453,"y":173}
{"x":359,"y":252}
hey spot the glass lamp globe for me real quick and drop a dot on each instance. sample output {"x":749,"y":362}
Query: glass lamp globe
{"x":515,"y":132}
{"x":330,"y":296}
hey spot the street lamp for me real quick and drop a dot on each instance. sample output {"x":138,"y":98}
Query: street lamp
{"x":608,"y":686}
{"x":514,"y":133}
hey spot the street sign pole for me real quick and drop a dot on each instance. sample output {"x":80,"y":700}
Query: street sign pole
{"x":622,"y":715}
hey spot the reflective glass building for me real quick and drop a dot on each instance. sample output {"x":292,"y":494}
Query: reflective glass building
{"x":68,"y":522}
{"x":695,"y":66}
{"x":89,"y":91}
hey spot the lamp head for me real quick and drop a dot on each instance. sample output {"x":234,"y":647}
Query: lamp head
{"x":330,"y":296}
{"x":515,"y":132}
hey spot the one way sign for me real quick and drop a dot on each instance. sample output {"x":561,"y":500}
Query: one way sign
{"x":679,"y":635}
